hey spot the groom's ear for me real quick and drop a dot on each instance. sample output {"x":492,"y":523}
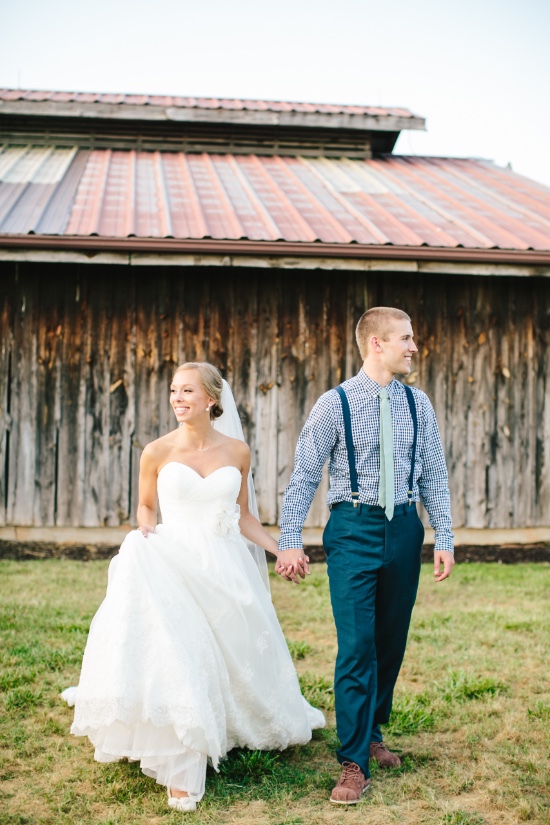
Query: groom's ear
{"x":375,"y":343}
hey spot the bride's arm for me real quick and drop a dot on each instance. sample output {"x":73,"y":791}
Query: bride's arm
{"x":147,"y":507}
{"x":255,"y":532}
{"x":249,"y":525}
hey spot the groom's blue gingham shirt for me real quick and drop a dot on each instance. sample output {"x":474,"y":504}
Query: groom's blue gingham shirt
{"x":323,"y":438}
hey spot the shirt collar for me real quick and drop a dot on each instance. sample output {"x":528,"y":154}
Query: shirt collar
{"x":372,"y":389}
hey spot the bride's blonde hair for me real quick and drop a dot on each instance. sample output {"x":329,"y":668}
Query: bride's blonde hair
{"x":211,"y":382}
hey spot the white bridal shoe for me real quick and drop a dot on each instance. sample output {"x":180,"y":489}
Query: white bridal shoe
{"x":69,"y":696}
{"x":181,"y":803}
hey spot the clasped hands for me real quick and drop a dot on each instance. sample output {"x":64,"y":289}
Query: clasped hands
{"x":292,"y":565}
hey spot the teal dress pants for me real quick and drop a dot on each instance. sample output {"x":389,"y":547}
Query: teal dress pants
{"x":373,"y":567}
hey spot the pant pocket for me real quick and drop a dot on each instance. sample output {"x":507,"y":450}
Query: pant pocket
{"x":421,"y":531}
{"x":326,"y":535}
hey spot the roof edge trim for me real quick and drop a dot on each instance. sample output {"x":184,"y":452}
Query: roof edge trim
{"x":93,"y":245}
{"x":350,"y":118}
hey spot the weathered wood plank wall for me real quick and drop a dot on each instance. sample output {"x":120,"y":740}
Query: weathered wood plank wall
{"x":86,"y":356}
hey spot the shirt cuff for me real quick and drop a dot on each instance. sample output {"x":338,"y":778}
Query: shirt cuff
{"x":291,"y":541}
{"x":444,"y":540}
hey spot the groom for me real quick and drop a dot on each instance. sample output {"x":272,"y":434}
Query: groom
{"x":384,"y":451}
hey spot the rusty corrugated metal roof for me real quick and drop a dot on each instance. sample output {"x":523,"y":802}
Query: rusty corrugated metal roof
{"x":174,"y":101}
{"x":394,"y":200}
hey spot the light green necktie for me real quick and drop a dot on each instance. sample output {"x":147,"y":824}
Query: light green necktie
{"x":386,"y":494}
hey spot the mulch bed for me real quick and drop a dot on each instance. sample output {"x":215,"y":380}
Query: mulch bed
{"x":501,"y":554}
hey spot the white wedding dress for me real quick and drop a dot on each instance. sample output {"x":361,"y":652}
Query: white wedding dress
{"x":185,"y":658}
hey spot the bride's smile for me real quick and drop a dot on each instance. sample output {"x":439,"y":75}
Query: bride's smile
{"x":190,"y":402}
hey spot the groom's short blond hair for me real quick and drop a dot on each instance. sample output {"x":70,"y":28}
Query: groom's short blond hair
{"x":376,"y":321}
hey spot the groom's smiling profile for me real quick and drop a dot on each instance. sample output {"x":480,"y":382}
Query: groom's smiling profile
{"x":382,"y":442}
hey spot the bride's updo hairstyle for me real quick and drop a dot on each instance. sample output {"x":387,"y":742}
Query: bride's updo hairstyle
{"x":211,"y":382}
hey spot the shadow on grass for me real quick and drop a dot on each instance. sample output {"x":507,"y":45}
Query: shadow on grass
{"x":276,"y":776}
{"x":410,"y":763}
{"x":271,"y":775}
{"x":297,"y":772}
{"x":243,"y":776}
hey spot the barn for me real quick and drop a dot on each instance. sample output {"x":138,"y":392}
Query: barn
{"x":138,"y":231}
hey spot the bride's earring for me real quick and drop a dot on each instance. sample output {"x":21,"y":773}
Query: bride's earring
{"x":208,"y":409}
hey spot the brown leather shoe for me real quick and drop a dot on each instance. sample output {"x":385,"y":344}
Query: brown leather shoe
{"x":351,"y":785}
{"x":384,"y":757}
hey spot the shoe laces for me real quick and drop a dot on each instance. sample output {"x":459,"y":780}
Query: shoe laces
{"x":350,"y":771}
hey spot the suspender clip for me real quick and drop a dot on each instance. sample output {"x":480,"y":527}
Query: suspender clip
{"x":412,"y":408}
{"x":355,"y":497}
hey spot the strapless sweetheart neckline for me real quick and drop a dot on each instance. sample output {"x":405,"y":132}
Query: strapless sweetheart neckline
{"x":203,"y":478}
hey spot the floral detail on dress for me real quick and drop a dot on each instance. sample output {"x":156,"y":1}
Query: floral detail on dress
{"x":262,"y":641}
{"x":246,"y":675}
{"x":226,"y":521}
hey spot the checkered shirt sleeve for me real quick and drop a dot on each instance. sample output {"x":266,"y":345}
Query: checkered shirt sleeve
{"x":322,"y":439}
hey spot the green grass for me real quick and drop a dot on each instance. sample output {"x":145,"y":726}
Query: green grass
{"x":411,"y":714}
{"x":471,"y":715}
{"x":462,"y":818}
{"x":299,"y":650}
{"x":318,"y":690}
{"x":458,"y":686}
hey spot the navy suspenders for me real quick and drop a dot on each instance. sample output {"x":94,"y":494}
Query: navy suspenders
{"x":412,"y":408}
{"x":349,"y":446}
{"x":351,"y":451}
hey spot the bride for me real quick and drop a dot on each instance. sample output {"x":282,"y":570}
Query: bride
{"x":185,"y":658}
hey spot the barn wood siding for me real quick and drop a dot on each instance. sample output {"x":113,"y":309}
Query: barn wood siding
{"x":86,"y":355}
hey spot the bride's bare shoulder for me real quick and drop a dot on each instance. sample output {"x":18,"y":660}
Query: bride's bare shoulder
{"x":157,"y":449}
{"x":234,"y":444}
{"x":236,"y":450}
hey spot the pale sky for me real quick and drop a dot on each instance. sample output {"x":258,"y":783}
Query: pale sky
{"x":478,"y":70}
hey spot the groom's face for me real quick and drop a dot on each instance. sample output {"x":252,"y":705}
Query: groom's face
{"x":398,"y":347}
